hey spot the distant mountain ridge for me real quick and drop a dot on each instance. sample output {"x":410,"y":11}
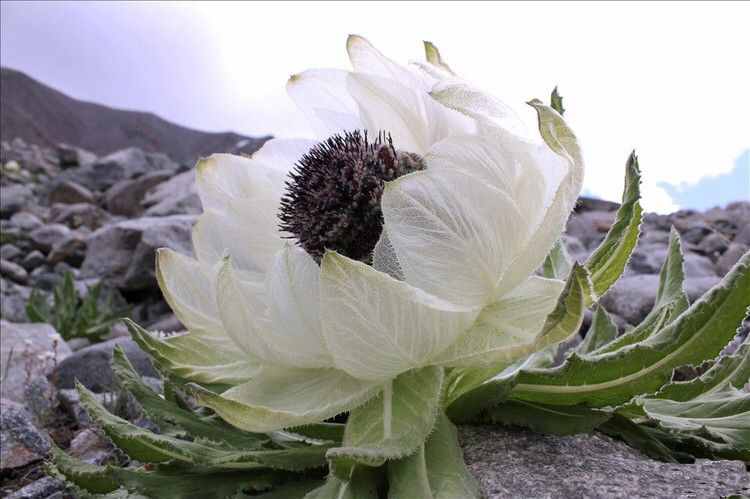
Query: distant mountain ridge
{"x":41,"y":115}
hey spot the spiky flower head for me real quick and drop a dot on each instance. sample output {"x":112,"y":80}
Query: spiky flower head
{"x":332,"y":200}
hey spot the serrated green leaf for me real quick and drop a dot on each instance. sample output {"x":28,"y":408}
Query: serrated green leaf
{"x":471,"y":390}
{"x":557,"y":265}
{"x":332,"y":432}
{"x":543,"y":418}
{"x":169,"y":415}
{"x":436,"y":471}
{"x":602,"y":331}
{"x":363,"y":485}
{"x":607,"y":263}
{"x":556,"y":102}
{"x":614,"y":378}
{"x":145,"y":446}
{"x":393,"y":424}
{"x":640,"y":437}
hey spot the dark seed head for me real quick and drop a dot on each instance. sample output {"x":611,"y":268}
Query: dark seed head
{"x":332,"y":200}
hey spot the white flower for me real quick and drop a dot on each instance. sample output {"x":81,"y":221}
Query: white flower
{"x":452,"y":279}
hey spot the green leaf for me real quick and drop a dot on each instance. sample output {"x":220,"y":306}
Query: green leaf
{"x":557,"y":264}
{"x":601,"y":331}
{"x":614,"y":378}
{"x":432,"y":54}
{"x":169,"y":416}
{"x":436,"y":471}
{"x":543,"y":418}
{"x":145,"y":446}
{"x":556,"y":102}
{"x":471,"y":390}
{"x":393,"y":424}
{"x":640,"y":437}
{"x":363,"y":485}
{"x":607,"y":263}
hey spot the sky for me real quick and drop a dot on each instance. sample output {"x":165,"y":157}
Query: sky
{"x":668,"y":79}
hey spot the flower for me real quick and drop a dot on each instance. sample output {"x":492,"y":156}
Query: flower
{"x":451,"y":283}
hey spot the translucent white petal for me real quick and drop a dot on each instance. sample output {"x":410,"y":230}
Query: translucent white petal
{"x":293,"y":287}
{"x":223,"y":178}
{"x":283,"y":398}
{"x":453,"y":234}
{"x":384,"y":258}
{"x":377,"y":327}
{"x":506,"y":329}
{"x":367,"y":59}
{"x":323,"y":96}
{"x":246,"y":229}
{"x":563,"y":145}
{"x":282,"y":154}
{"x":243,"y":308}
{"x":188,"y":288}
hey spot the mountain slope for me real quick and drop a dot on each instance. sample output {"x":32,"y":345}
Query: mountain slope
{"x":42,"y":115}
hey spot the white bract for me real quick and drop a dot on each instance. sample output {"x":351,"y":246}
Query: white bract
{"x":452,"y":282}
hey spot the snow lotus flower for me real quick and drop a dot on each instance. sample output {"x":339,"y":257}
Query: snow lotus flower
{"x":453,"y":206}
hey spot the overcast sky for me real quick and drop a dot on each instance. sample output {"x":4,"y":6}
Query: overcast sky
{"x":670,"y":80}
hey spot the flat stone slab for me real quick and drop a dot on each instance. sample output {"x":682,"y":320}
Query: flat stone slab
{"x":511,"y":462}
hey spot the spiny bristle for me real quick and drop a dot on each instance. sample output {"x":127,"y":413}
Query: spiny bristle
{"x":332,"y":200}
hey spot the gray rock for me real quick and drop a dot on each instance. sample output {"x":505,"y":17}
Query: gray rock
{"x":80,"y":215}
{"x":124,"y":252}
{"x":91,"y":447}
{"x":743,"y":235}
{"x":735,"y":251}
{"x":13,"y":299}
{"x":46,"y":236}
{"x":71,"y":156}
{"x":40,"y":397}
{"x":71,"y":250}
{"x":21,"y":442}
{"x":91,"y":365}
{"x":33,"y":260}
{"x":69,"y":192}
{"x":124,"y":198}
{"x":176,"y":196}
{"x":590,"y":227}
{"x":648,"y":259}
{"x":511,"y":462}
{"x":13,"y":271}
{"x":44,"y":488}
{"x":695,"y":232}
{"x":10,"y":252}
{"x":713,"y":245}
{"x":28,"y":351}
{"x":654,"y":237}
{"x":695,"y":287}
{"x":14,"y":198}
{"x":168,"y":324}
{"x":25,"y":220}
{"x":593,"y":204}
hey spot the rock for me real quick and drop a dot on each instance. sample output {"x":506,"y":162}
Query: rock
{"x":695,"y":287}
{"x":695,"y":232}
{"x":33,"y":260}
{"x":13,"y":299}
{"x":79,"y":215}
{"x":168,"y":324}
{"x":632,"y":297}
{"x":46,"y":236}
{"x":654,"y":237}
{"x":69,"y":192}
{"x":743,"y":235}
{"x":13,"y":271}
{"x":71,"y":250}
{"x":124,"y":198}
{"x":71,"y":156}
{"x":25,"y":220}
{"x":648,"y":259}
{"x":511,"y":462}
{"x":593,"y":204}
{"x":40,"y":398}
{"x":36,"y":348}
{"x":76,"y":344}
{"x":14,"y":198}
{"x":44,"y":488}
{"x":735,"y":251}
{"x":713,"y":245}
{"x":125,"y":252}
{"x":91,"y":365}
{"x":70,"y":401}
{"x":590,"y":227}
{"x":9,"y":252}
{"x":176,"y":196}
{"x":91,"y":447}
{"x":21,"y":442}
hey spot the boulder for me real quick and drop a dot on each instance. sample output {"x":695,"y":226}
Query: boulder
{"x":125,"y":252}
{"x":13,"y":299}
{"x":731,"y":256}
{"x":176,"y":196}
{"x":21,"y":442}
{"x":10,"y":252}
{"x":44,"y":488}
{"x":79,"y":215}
{"x":13,"y":271}
{"x":14,"y":198}
{"x":27,"y":351}
{"x":91,"y":365}
{"x":71,"y":250}
{"x":46,"y":236}
{"x":91,"y":447}
{"x":648,"y":259}
{"x":70,"y":156}
{"x":593,"y":204}
{"x":511,"y":462}
{"x":25,"y":220}
{"x":33,"y":260}
{"x":124,"y":198}
{"x":69,"y":192}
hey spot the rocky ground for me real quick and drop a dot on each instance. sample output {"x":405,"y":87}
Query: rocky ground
{"x":102,"y":218}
